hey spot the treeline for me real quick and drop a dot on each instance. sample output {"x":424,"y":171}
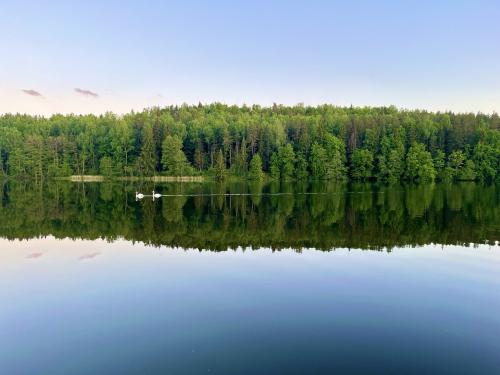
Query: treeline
{"x":320,"y":143}
{"x":329,"y":216}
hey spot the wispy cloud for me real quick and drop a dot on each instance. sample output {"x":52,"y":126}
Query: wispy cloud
{"x":31,"y":92}
{"x":89,"y":256}
{"x":86,"y":92}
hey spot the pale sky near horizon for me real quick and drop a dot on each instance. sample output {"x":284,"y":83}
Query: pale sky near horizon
{"x":123,"y":55}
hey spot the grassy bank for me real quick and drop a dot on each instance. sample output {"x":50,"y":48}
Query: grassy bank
{"x":100,"y":178}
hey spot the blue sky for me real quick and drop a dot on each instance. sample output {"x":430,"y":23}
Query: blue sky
{"x":436,"y":55}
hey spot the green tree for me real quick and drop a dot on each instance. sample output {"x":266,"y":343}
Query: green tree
{"x":240,"y":166}
{"x":301,"y":167}
{"x":121,"y":143}
{"x":255,"y":170}
{"x":439,"y":164}
{"x":487,"y":161}
{"x":35,"y":157}
{"x":419,"y":165}
{"x":220,"y":167}
{"x":106,"y":166}
{"x":395,"y":164}
{"x":286,"y":158}
{"x":275,"y":166}
{"x":456,"y":161}
{"x":468,"y":172}
{"x":173,"y":159}
{"x":362,"y":164}
{"x":319,"y":159}
{"x":146,"y":163}
{"x":335,"y":168}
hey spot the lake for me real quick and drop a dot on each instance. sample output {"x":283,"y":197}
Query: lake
{"x":240,"y":278}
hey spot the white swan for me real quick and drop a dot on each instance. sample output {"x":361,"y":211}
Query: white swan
{"x":139,"y":195}
{"x":156,"y":195}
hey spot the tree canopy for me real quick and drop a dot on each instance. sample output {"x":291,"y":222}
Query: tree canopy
{"x":322,"y":143}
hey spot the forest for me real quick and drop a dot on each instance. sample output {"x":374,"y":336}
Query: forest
{"x":252,"y":142}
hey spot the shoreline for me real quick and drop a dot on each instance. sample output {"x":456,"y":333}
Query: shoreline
{"x":100,"y":178}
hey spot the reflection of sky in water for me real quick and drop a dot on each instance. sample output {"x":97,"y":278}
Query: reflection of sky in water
{"x":92,"y":306}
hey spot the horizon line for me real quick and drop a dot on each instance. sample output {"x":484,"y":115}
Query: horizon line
{"x":247,"y":105}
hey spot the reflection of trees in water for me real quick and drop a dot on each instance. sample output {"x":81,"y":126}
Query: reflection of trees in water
{"x":277,"y":215}
{"x":418,"y":199}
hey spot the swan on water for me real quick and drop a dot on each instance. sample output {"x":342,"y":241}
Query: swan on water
{"x":139,"y":195}
{"x":156,"y":195}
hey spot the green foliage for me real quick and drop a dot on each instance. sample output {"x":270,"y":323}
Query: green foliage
{"x":146,"y":165}
{"x":301,"y":167}
{"x":173,"y":159}
{"x":391,"y":157}
{"x":293,"y":142}
{"x":362,"y":164}
{"x":440,"y":164}
{"x":255,"y":170}
{"x":275,"y":166}
{"x":395,"y":164}
{"x":220,"y":167}
{"x":487,"y":161}
{"x":319,"y":159}
{"x":335,"y":168}
{"x":240,"y":165}
{"x":121,"y":143}
{"x":328,"y":159}
{"x":461,"y":168}
{"x":419,"y":164}
{"x":286,"y":161}
{"x":106,"y":166}
{"x":468,"y":172}
{"x":456,"y":161}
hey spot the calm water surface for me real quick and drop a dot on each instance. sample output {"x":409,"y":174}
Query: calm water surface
{"x":302,"y":279}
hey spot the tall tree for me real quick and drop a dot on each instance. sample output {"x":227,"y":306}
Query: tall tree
{"x":419,"y":165}
{"x":220,"y":166}
{"x":147,"y":162}
{"x":319,"y":159}
{"x":286,"y":159}
{"x":301,"y":166}
{"x":275,"y":166}
{"x":174,"y":160}
{"x":362,"y":164}
{"x":255,"y":170}
{"x":336,"y":158}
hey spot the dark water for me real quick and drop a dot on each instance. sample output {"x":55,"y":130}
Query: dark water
{"x":317,"y":279}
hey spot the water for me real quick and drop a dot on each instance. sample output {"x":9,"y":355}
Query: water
{"x":359,"y":278}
